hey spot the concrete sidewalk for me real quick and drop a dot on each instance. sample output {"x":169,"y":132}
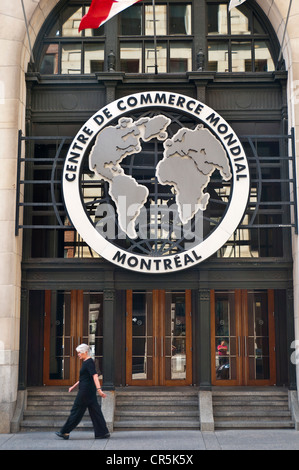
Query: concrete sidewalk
{"x":182,"y":441}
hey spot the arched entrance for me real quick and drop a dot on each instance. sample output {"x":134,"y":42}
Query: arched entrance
{"x":58,"y":104}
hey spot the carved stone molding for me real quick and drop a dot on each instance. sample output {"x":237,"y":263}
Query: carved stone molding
{"x":109,"y":294}
{"x":204,"y":295}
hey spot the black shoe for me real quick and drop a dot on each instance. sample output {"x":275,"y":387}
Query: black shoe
{"x":105,"y":436}
{"x":63,"y":436}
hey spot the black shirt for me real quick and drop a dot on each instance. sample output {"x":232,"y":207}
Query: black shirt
{"x":87,"y":387}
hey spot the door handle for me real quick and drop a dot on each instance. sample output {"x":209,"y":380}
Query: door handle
{"x":155,"y":346}
{"x":72,"y":346}
{"x":239,"y":346}
{"x":245,"y":346}
{"x":162,"y":349}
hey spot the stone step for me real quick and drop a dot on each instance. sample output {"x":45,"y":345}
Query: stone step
{"x":166,"y":404}
{"x":155,"y":397}
{"x":50,"y":425}
{"x":249,"y":410}
{"x":48,"y":393}
{"x":257,"y":424}
{"x":47,"y":410}
{"x":253,"y":392}
{"x":160,"y":391}
{"x":247,"y":399}
{"x":155,"y":413}
{"x":156,"y":424}
{"x":252,"y":414}
{"x":257,"y":399}
{"x":49,"y":404}
{"x":150,"y":405}
{"x":272,"y":403}
{"x":156,"y":409}
{"x":250,"y":405}
{"x":149,"y":409}
{"x":46,"y":413}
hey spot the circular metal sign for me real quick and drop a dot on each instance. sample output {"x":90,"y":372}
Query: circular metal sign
{"x":200,"y":162}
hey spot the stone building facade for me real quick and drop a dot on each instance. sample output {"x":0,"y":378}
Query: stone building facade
{"x":14,"y":60}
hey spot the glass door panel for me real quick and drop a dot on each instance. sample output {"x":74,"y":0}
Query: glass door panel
{"x":59,"y":356}
{"x":259,"y":341}
{"x":243,"y":337}
{"x":158,"y":338}
{"x":71,"y":317}
{"x":177,"y":329}
{"x":226,"y":340}
{"x":61,"y":347}
{"x":140,"y":339}
{"x":92,"y":326}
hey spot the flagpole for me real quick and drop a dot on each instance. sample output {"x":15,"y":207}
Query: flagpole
{"x":155,"y":37}
{"x":26,"y":24}
{"x":284,"y":33}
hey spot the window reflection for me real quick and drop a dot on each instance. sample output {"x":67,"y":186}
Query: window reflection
{"x":231,"y":53}
{"x":93,"y":58}
{"x":179,"y":19}
{"x":131,"y":21}
{"x":60,"y":334}
{"x":241,"y":56}
{"x":175,"y":336}
{"x":240,"y":23}
{"x":225,"y":336}
{"x":218,"y":56}
{"x":71,"y":58}
{"x":70,"y":21}
{"x":150,"y":58}
{"x":142,"y":336}
{"x":93,"y":325}
{"x":49,"y":63}
{"x":180,"y":57}
{"x":131,"y":57}
{"x":226,"y":52}
{"x":263,"y":59}
{"x":161,"y":19}
{"x":217,"y":19}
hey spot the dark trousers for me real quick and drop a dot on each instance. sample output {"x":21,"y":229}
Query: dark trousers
{"x":77,"y":412}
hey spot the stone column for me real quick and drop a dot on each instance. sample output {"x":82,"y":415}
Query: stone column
{"x":14,"y":58}
{"x":108,"y":341}
{"x":12,"y":114}
{"x":204,"y":339}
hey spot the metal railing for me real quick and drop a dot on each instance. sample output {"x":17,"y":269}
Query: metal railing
{"x":274,"y":172}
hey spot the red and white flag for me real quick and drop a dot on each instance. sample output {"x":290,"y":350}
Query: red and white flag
{"x":101,"y":11}
{"x":235,"y":3}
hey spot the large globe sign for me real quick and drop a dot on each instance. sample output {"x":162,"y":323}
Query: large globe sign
{"x":171,"y":182}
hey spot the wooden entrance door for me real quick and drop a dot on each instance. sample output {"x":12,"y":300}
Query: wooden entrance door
{"x":158,"y":338}
{"x":71,"y":318}
{"x":243,"y":338}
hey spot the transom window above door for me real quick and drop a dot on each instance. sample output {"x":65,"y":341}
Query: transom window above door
{"x":174,"y":40}
{"x":237,"y":40}
{"x":190,"y":35}
{"x":66,"y":51}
